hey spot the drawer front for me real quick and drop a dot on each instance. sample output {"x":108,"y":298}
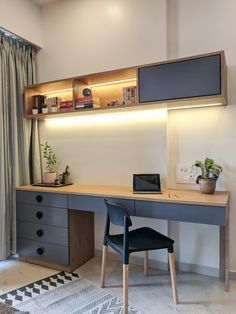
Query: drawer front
{"x":42,"y":233}
{"x":42,"y":214}
{"x":43,"y":251}
{"x":42,"y":198}
{"x":212,"y":215}
{"x":96,"y":204}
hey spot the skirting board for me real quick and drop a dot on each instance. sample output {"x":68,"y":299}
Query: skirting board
{"x":232,"y":275}
{"x":193,"y":268}
{"x":199,"y":269}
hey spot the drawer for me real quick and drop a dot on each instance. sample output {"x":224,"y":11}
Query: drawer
{"x":42,"y":214}
{"x":42,"y":233}
{"x":213,"y":215}
{"x":43,"y":251}
{"x":96,"y":204}
{"x":41,"y":198}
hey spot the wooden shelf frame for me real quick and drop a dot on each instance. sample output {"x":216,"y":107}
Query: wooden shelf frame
{"x":113,"y":83}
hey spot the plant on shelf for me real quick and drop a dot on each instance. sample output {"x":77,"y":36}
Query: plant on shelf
{"x":54,"y":107}
{"x":209,"y":174}
{"x":44,"y":108}
{"x":51,"y":160}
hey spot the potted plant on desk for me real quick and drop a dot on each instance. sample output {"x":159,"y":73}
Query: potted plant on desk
{"x":49,"y":155}
{"x":210,"y":174}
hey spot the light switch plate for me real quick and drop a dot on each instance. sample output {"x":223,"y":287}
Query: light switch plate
{"x":186,"y":173}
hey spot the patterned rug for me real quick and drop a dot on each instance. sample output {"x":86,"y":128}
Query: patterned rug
{"x":63,"y":293}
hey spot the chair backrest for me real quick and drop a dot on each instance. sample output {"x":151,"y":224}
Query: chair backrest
{"x":117,"y":214}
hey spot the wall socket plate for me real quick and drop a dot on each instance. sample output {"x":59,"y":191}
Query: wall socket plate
{"x":186,"y":173}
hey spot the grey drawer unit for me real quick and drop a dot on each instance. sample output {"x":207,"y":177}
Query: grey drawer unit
{"x":43,"y":251}
{"x":214,"y":215}
{"x":42,"y":233}
{"x":41,"y":198}
{"x":96,"y":204}
{"x":42,"y":214}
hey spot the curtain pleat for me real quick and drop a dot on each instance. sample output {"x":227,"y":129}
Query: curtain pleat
{"x":17,"y":69}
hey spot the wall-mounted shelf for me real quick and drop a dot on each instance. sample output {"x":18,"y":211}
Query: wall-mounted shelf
{"x":181,"y":83}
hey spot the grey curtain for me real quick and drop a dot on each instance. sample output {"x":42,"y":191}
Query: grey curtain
{"x":19,"y":139}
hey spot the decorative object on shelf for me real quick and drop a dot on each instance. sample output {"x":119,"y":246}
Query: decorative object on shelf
{"x":66,"y":176}
{"x":210,"y":174}
{"x":54,"y":108}
{"x":129,"y":94}
{"x":49,"y":155}
{"x":35,"y":111}
{"x":44,"y":108}
{"x":115,"y":103}
{"x":39,"y":101}
{"x":87,"y":92}
{"x":66,"y":106}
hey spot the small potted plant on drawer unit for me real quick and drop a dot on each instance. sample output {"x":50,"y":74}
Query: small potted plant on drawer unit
{"x":51,"y":160}
{"x":210,"y":174}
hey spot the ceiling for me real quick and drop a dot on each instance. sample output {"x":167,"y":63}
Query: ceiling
{"x":44,"y":2}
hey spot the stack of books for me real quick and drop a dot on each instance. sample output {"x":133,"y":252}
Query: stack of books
{"x":86,"y":102}
{"x":129,"y":94}
{"x":66,"y":106}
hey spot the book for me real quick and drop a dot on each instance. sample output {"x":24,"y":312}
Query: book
{"x":83,"y":105}
{"x":129,"y":95}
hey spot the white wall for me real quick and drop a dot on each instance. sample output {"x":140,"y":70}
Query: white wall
{"x":22,"y":18}
{"x":204,"y":26}
{"x":84,"y":36}
{"x":90,"y":36}
{"x":108,"y":149}
{"x":87,"y":36}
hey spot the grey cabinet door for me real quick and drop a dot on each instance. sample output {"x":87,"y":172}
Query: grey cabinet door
{"x":42,"y":198}
{"x":43,"y":251}
{"x":42,"y":214}
{"x":42,"y":233}
{"x":213,"y":215}
{"x":96,"y":204}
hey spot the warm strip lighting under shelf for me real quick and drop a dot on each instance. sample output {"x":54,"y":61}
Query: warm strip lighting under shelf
{"x":58,"y":91}
{"x":196,"y":106}
{"x":64,"y":90}
{"x":109,"y":118}
{"x":113,"y":82}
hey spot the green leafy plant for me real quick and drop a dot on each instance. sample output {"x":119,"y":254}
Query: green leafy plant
{"x":210,"y":170}
{"x":50,"y":157}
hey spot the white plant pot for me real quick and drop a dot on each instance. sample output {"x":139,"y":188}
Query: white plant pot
{"x":44,"y":110}
{"x":53,"y":109}
{"x":35,"y":111}
{"x":49,"y":177}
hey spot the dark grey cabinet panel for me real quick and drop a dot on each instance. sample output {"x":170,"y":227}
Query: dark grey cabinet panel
{"x":42,"y":198}
{"x":43,"y":214}
{"x":42,"y":233}
{"x":96,"y":204}
{"x":197,"y":77}
{"x":43,"y":251}
{"x":213,"y":215}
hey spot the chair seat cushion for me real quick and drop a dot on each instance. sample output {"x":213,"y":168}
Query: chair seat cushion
{"x":141,"y":239}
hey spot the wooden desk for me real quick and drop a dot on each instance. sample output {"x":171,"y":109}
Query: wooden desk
{"x":173,"y":204}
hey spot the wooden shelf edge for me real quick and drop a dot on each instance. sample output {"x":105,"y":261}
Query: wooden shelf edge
{"x":170,"y":105}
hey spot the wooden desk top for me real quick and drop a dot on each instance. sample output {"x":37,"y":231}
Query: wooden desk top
{"x":220,"y":198}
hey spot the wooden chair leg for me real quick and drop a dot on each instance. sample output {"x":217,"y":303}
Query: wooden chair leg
{"x":173,"y":277}
{"x":145,"y":263}
{"x":125,"y":287}
{"x":104,"y":262}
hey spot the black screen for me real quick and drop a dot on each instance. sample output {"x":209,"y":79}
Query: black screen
{"x":181,"y":79}
{"x":146,"y":182}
